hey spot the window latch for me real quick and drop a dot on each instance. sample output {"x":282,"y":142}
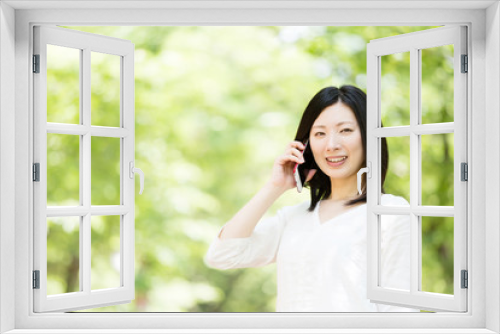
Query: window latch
{"x":368,"y":171}
{"x":132,"y":171}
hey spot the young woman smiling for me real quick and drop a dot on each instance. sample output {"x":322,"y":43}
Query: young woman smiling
{"x":319,"y":246}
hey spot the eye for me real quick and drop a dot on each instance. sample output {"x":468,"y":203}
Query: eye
{"x":346,"y":130}
{"x":318,"y":134}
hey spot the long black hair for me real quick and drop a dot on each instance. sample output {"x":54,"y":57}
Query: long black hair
{"x":355,"y":99}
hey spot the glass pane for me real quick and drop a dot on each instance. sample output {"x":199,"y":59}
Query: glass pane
{"x":395,"y":89}
{"x":105,"y":252}
{"x":63,"y":165}
{"x":105,"y":171}
{"x":395,"y":252}
{"x":437,"y":254}
{"x":437,"y":169}
{"x":63,"y":84}
{"x":437,"y":84}
{"x":397,"y":180}
{"x":105,"y":89}
{"x":63,"y":255}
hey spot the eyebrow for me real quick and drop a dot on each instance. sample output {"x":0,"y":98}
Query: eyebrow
{"x":339,"y":123}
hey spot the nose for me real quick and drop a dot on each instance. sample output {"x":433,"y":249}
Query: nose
{"x":334,"y":142}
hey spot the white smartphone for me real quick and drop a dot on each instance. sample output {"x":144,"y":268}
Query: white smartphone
{"x":298,"y":172}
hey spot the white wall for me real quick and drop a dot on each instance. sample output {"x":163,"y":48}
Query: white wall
{"x":492,"y":163}
{"x":7,"y":160}
{"x":489,"y":150}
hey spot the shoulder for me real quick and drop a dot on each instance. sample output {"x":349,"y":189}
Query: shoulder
{"x":389,"y":199}
{"x":297,"y":209}
{"x":296,"y":216}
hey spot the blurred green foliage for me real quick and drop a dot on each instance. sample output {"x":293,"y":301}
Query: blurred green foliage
{"x":63,"y":165}
{"x":214,"y":107}
{"x":63,"y":84}
{"x":105,"y":247}
{"x":395,"y":89}
{"x":105,"y":170}
{"x":63,"y":258}
{"x":105,"y":89}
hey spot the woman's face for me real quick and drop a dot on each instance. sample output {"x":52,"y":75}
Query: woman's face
{"x":335,"y":141}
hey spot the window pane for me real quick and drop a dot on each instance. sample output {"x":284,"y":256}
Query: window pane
{"x":437,"y":84}
{"x":395,"y":89}
{"x":63,"y":255}
{"x":105,"y":89}
{"x":395,"y":252}
{"x":437,"y":254}
{"x":105,"y":171}
{"x":105,"y":252}
{"x":397,"y":180}
{"x":63,"y":84}
{"x":63,"y":164}
{"x":437,"y":169}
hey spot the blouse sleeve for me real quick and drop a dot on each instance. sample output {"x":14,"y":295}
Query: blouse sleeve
{"x":395,"y":257}
{"x":257,"y":250}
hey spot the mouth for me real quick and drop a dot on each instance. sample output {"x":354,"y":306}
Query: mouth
{"x":336,"y":160}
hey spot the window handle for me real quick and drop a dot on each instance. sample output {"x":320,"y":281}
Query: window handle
{"x":366,"y":170}
{"x":132,"y":171}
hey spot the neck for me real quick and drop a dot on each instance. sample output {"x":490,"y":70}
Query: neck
{"x":344,"y":189}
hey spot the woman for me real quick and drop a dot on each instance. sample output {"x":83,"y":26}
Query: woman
{"x":319,"y":246}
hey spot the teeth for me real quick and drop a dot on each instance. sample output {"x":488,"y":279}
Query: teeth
{"x":337,"y":160}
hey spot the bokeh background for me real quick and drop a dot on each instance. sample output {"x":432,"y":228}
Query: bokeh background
{"x":214,"y":106}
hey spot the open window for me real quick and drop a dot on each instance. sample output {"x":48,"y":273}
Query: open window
{"x":430,"y":122}
{"x":96,"y":222}
{"x":86,"y":208}
{"x":89,"y":207}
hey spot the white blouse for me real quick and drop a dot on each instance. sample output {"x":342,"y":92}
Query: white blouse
{"x":321,"y":267}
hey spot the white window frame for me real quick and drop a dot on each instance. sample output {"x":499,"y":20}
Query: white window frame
{"x":413,"y":43}
{"x":86,"y":44}
{"x":483,"y":21}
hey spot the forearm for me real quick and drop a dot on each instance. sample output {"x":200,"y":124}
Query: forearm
{"x":244,"y":222}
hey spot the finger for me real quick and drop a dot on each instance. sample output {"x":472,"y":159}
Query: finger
{"x":296,"y":144}
{"x":295,"y":152}
{"x":285,"y":158}
{"x":311,"y":174}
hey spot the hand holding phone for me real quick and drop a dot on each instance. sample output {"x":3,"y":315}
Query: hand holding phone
{"x":298,"y":172}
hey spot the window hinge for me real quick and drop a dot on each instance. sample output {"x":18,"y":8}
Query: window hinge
{"x":465,"y":64}
{"x":36,"y":172}
{"x":36,"y":279}
{"x":36,"y":63}
{"x":465,"y":171}
{"x":465,"y":279}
